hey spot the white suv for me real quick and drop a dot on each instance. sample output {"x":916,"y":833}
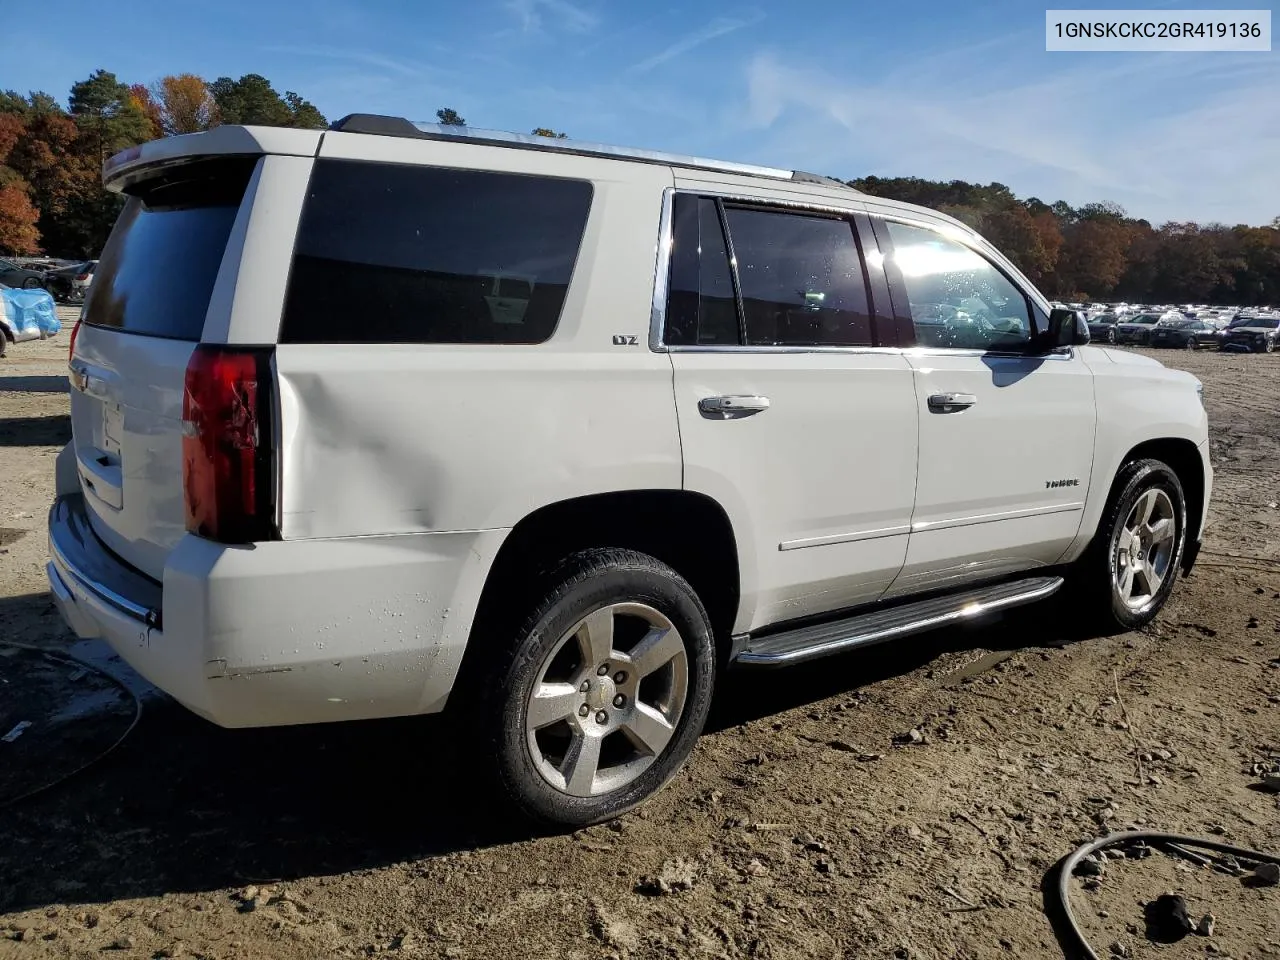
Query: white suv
{"x":390,"y":417}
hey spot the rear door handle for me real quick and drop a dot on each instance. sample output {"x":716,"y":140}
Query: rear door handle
{"x":731,"y":408}
{"x":951,"y":402}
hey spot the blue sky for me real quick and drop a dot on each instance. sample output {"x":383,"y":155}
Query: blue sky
{"x":932,"y":88}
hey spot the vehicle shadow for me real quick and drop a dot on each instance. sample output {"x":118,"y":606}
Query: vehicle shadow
{"x":184,"y":806}
{"x":35,"y":384}
{"x":750,"y":694}
{"x":54,"y":431}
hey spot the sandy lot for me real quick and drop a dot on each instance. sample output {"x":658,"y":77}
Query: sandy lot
{"x":801,"y":829}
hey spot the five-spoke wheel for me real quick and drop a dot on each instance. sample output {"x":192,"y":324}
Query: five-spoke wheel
{"x":1128,"y":572}
{"x":607,"y":699}
{"x":603,"y":691}
{"x":1144,"y":549}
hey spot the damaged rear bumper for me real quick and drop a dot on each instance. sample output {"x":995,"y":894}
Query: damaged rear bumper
{"x":286,"y":632}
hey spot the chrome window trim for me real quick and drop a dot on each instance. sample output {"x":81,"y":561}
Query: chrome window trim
{"x":662,"y":272}
{"x":735,"y":195}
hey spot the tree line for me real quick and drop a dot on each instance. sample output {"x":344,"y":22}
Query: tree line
{"x":1097,"y":252}
{"x":51,"y":196}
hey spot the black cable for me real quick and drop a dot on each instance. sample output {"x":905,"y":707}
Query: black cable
{"x":88,"y":665}
{"x":1152,"y":838}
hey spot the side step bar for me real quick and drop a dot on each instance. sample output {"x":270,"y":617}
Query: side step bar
{"x":823,"y":639}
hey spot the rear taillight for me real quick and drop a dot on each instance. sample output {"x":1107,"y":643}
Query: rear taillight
{"x":227,"y":445}
{"x":75,"y":332}
{"x":81,"y":278}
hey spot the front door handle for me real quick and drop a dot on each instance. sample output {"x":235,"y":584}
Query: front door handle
{"x":951,"y":402}
{"x":731,"y":408}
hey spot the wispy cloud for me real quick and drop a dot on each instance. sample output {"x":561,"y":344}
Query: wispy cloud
{"x":564,"y":15}
{"x":366,"y":58}
{"x":716,"y":28}
{"x":1163,"y":137}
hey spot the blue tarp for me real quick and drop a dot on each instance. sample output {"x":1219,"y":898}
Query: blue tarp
{"x":28,"y":313}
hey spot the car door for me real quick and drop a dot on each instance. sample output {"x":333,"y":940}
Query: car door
{"x":790,"y":418}
{"x":1006,"y":435}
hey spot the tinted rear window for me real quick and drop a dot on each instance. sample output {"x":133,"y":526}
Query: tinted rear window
{"x":390,"y":253}
{"x":158,"y":269}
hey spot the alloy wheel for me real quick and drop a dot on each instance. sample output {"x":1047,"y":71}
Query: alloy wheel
{"x":1144,"y":547}
{"x":607,"y":699}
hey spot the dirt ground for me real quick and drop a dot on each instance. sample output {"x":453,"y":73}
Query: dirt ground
{"x":798,"y":829}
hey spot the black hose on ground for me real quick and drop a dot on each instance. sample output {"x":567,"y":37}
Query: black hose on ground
{"x":87,"y":665}
{"x":1151,"y":838}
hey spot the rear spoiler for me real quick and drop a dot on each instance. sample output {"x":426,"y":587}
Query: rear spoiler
{"x":138,"y":162}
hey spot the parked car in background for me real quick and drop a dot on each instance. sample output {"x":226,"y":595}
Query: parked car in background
{"x":1102,"y":328}
{"x":1136,"y":330}
{"x":16,"y":275}
{"x":71,"y":284}
{"x":26,"y":313}
{"x":1253,"y":334}
{"x":1184,"y":334}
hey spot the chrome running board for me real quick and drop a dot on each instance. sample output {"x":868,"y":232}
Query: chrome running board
{"x":823,"y":639}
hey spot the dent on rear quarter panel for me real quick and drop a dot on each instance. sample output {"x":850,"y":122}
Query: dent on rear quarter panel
{"x":413,"y":438}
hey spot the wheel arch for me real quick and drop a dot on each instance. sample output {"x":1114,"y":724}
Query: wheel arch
{"x":690,"y":532}
{"x":1183,"y":458}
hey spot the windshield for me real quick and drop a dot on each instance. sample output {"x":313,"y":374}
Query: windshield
{"x":1104,"y":318}
{"x":1184,"y":324}
{"x":1264,"y":324}
{"x":1145,"y":318}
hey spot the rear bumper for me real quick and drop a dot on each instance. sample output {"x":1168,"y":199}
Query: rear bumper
{"x":301,"y":631}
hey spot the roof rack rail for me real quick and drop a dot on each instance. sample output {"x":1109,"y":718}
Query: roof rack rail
{"x":400,"y":127}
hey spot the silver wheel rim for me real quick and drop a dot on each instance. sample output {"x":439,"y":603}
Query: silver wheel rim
{"x":607,"y":699}
{"x":1144,"y":550}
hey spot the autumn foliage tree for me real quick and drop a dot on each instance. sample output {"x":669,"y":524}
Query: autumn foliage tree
{"x":51,"y":156}
{"x":18,"y":216}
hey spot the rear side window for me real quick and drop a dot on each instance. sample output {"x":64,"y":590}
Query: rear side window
{"x":701,"y":308}
{"x":391,"y":253}
{"x":157,"y":271}
{"x":800,"y":278}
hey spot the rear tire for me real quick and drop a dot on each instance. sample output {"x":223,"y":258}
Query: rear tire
{"x":599,"y":698}
{"x":1270,"y":347}
{"x":1111,"y":336}
{"x":1129,"y":570}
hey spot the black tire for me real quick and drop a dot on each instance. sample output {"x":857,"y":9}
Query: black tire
{"x":1270,"y":347}
{"x":583,"y":584}
{"x":31,"y":283}
{"x":1191,"y":344}
{"x":4,"y":343}
{"x":1093,"y":580}
{"x":1111,"y":336}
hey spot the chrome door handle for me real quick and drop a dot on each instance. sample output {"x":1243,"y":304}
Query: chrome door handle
{"x":731,"y":408}
{"x":951,"y":402}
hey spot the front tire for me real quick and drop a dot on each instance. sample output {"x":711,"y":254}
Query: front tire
{"x":31,"y":283}
{"x":602,"y":693}
{"x":1111,"y":336}
{"x":1130,"y":568}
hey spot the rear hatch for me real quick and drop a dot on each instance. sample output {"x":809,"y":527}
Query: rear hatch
{"x":143,"y":320}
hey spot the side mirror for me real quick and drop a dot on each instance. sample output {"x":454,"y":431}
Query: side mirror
{"x":1066,"y":329}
